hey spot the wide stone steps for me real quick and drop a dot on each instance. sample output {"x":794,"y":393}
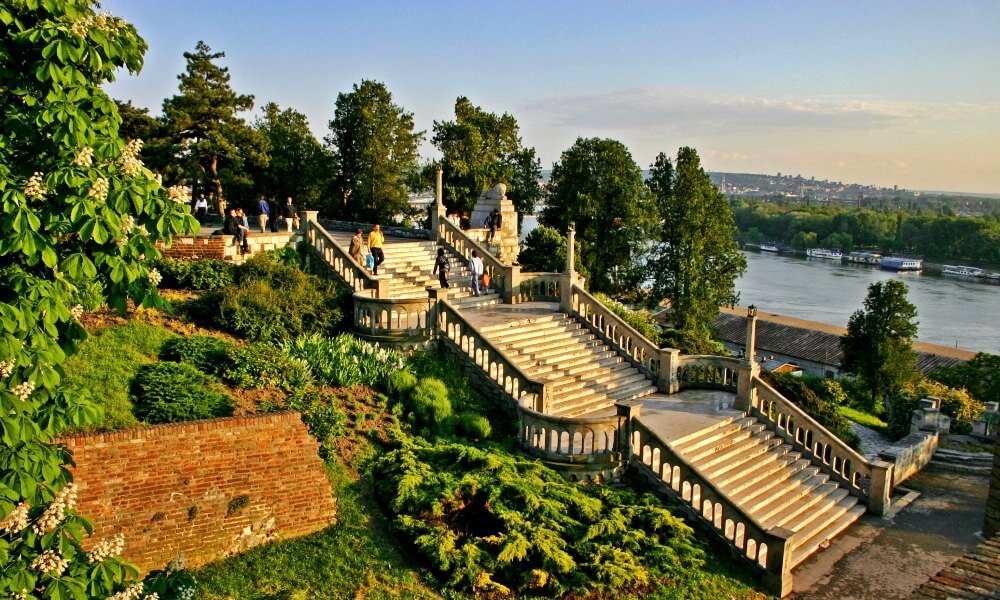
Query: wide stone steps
{"x":772,"y":483}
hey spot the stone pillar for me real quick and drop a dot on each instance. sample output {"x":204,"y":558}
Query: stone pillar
{"x":778,"y":576}
{"x":991,"y":524}
{"x":669,"y":360}
{"x":880,"y":490}
{"x":746,"y":393}
{"x":543,"y":399}
{"x":437,"y":211}
{"x":630,"y":410}
{"x":751,"y":341}
{"x":569,"y":272}
{"x":512,"y":283}
{"x":306,"y":217}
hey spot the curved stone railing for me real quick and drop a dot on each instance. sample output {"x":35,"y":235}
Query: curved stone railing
{"x":461,"y":243}
{"x":546,"y":287}
{"x":764,"y":550}
{"x":869,"y":480}
{"x":353,"y":274}
{"x":495,"y":364}
{"x":708,"y":372}
{"x":392,"y":320}
{"x":615,"y":332}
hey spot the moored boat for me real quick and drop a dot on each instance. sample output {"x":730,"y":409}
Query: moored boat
{"x":769,"y":247}
{"x":828,"y":253}
{"x":901,"y":263}
{"x":963,"y":271}
{"x":864,"y":258}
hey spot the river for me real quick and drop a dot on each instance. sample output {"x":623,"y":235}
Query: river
{"x":951,"y":310}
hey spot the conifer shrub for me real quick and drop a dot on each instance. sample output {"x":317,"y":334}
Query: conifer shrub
{"x":169,"y":392}
{"x":205,"y":274}
{"x":322,"y":416}
{"x":207,"y":353}
{"x":495,"y":524}
{"x":429,"y":402}
{"x":401,"y":382}
{"x":259,"y":364}
{"x":473,"y":426}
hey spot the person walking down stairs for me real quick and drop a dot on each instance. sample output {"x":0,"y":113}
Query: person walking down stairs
{"x":476,"y":270}
{"x":441,"y":267}
{"x":375,"y":241}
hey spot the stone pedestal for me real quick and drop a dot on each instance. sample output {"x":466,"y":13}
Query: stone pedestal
{"x":505,"y":243}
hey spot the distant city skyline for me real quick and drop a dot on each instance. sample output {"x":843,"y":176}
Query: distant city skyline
{"x":889,"y":93}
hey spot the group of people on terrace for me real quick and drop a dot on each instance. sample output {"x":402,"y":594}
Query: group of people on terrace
{"x":442,"y":264}
{"x":237,"y":225}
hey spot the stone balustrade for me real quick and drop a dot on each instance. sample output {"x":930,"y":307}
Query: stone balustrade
{"x":696,"y":371}
{"x":584,"y":448}
{"x":389,"y":230}
{"x":460,"y":242}
{"x":763,"y":550}
{"x":347,"y":269}
{"x":521,"y":389}
{"x":401,"y":322}
{"x":869,"y":480}
{"x":535,"y":287}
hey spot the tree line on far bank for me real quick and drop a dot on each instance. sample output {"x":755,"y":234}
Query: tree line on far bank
{"x":934,"y":234}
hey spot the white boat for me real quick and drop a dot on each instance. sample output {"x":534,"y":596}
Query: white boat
{"x":829,"y":253}
{"x":864,"y":258}
{"x":768,"y":247}
{"x":963,"y":271}
{"x":994,"y":276}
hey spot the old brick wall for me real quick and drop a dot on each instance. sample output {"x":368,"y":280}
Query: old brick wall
{"x":991,"y":526}
{"x":208,"y":488}
{"x":222,"y":247}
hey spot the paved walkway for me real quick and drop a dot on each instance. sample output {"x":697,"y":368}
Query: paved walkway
{"x":890,"y":557}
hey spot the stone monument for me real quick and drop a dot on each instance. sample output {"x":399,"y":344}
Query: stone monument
{"x":505,"y":243}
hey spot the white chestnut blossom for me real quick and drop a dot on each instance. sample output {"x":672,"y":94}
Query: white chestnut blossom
{"x":56,"y":511}
{"x":16,"y":521}
{"x":85,"y":157}
{"x":154,"y":277}
{"x":99,"y":189}
{"x":50,"y":562}
{"x":129,"y":160}
{"x":6,"y":368}
{"x":180,"y":194}
{"x":76,"y":312}
{"x":132,"y":592}
{"x":35,"y":188}
{"x":23,"y":390}
{"x":141,"y":230}
{"x":106,"y":549}
{"x":22,"y":595}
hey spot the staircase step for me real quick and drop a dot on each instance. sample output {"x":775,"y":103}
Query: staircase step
{"x":772,"y":498}
{"x":602,"y":384}
{"x":788,"y":502}
{"x":708,"y":436}
{"x":743,"y":454}
{"x":561,"y":351}
{"x":719,"y":443}
{"x":488,"y":330}
{"x":593,"y":401}
{"x":554,"y":340}
{"x":804,"y":519}
{"x":536,"y":331}
{"x":777,"y":464}
{"x":575,"y":365}
{"x":808,"y":547}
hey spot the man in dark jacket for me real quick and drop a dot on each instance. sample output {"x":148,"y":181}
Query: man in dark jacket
{"x":291,"y":217}
{"x":494,"y":220}
{"x":275,"y":213}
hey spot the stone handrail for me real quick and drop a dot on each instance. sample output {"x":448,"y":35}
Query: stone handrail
{"x":352,"y":226}
{"x":538,"y":286}
{"x":869,"y":480}
{"x":614,"y":331}
{"x":353,"y":274}
{"x":517,"y":385}
{"x":706,"y":371}
{"x":391,"y":319}
{"x":586,"y":448}
{"x":764,"y":550}
{"x":461,"y":243}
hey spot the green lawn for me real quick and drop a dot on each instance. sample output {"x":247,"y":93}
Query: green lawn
{"x":106,"y":363}
{"x":862,"y":418}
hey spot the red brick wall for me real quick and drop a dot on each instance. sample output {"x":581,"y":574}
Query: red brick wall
{"x":198,"y":247}
{"x":210,"y":488}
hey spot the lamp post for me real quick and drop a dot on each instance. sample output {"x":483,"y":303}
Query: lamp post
{"x":751,"y":342}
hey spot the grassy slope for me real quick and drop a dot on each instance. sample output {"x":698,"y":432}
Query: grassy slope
{"x":106,"y":363}
{"x":862,"y":418}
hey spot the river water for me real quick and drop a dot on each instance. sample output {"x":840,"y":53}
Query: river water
{"x":950,"y":310}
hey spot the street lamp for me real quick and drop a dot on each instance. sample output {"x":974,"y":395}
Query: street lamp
{"x":751,"y":311}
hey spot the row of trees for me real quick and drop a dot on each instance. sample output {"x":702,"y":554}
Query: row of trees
{"x":933,"y":234}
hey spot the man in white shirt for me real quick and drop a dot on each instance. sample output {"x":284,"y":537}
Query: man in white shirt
{"x":476,"y":270}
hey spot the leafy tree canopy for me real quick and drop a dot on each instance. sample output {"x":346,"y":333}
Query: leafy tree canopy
{"x":877,"y":346}
{"x":598,"y":186}
{"x":543,"y":251}
{"x":696,"y":261}
{"x":482,"y":149}
{"x":299,"y":165}
{"x":980,"y":376}
{"x":376,"y":148}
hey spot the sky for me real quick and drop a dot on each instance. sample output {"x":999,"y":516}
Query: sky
{"x":886,"y":93}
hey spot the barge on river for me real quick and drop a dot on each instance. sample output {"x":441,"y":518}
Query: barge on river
{"x":901,"y":263}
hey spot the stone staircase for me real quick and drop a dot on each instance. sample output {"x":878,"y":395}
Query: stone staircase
{"x":771,"y":482}
{"x":589,"y":376}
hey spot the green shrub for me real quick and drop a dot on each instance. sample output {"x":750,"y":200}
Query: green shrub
{"x":474,"y":427}
{"x":207,"y":353}
{"x":89,"y":294}
{"x":496,"y":524}
{"x":273,"y":302}
{"x":804,"y":397}
{"x":259,"y":364}
{"x":401,"y":382}
{"x":957,"y":404}
{"x":345,"y":360}
{"x":169,"y":392}
{"x":692,"y":342}
{"x":640,"y":320}
{"x":322,"y":415}
{"x":205,"y":274}
{"x":287,"y":255}
{"x":429,"y":402}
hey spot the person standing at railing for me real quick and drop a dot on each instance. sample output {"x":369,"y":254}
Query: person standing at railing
{"x":442,"y":267}
{"x":476,"y":270}
{"x":356,"y":246}
{"x":375,"y":241}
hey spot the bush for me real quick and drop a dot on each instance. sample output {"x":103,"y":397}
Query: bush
{"x":259,"y":364}
{"x":957,"y":404}
{"x":273,"y":302}
{"x":169,"y":392}
{"x":401,"y":382}
{"x":322,"y":415}
{"x":692,"y":342}
{"x":473,"y":427}
{"x":429,"y":402}
{"x":207,"y":353}
{"x":345,"y":360}
{"x":206,"y":274}
{"x":89,"y":294}
{"x":804,"y":397}
{"x":495,"y":524}
{"x":640,"y":320}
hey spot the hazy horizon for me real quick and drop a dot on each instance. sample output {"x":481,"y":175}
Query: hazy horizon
{"x":891,"y":93}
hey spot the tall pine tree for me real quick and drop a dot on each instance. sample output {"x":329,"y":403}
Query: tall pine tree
{"x":696,"y":260}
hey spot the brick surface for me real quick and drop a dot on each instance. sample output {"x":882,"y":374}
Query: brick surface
{"x":207,"y":488}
